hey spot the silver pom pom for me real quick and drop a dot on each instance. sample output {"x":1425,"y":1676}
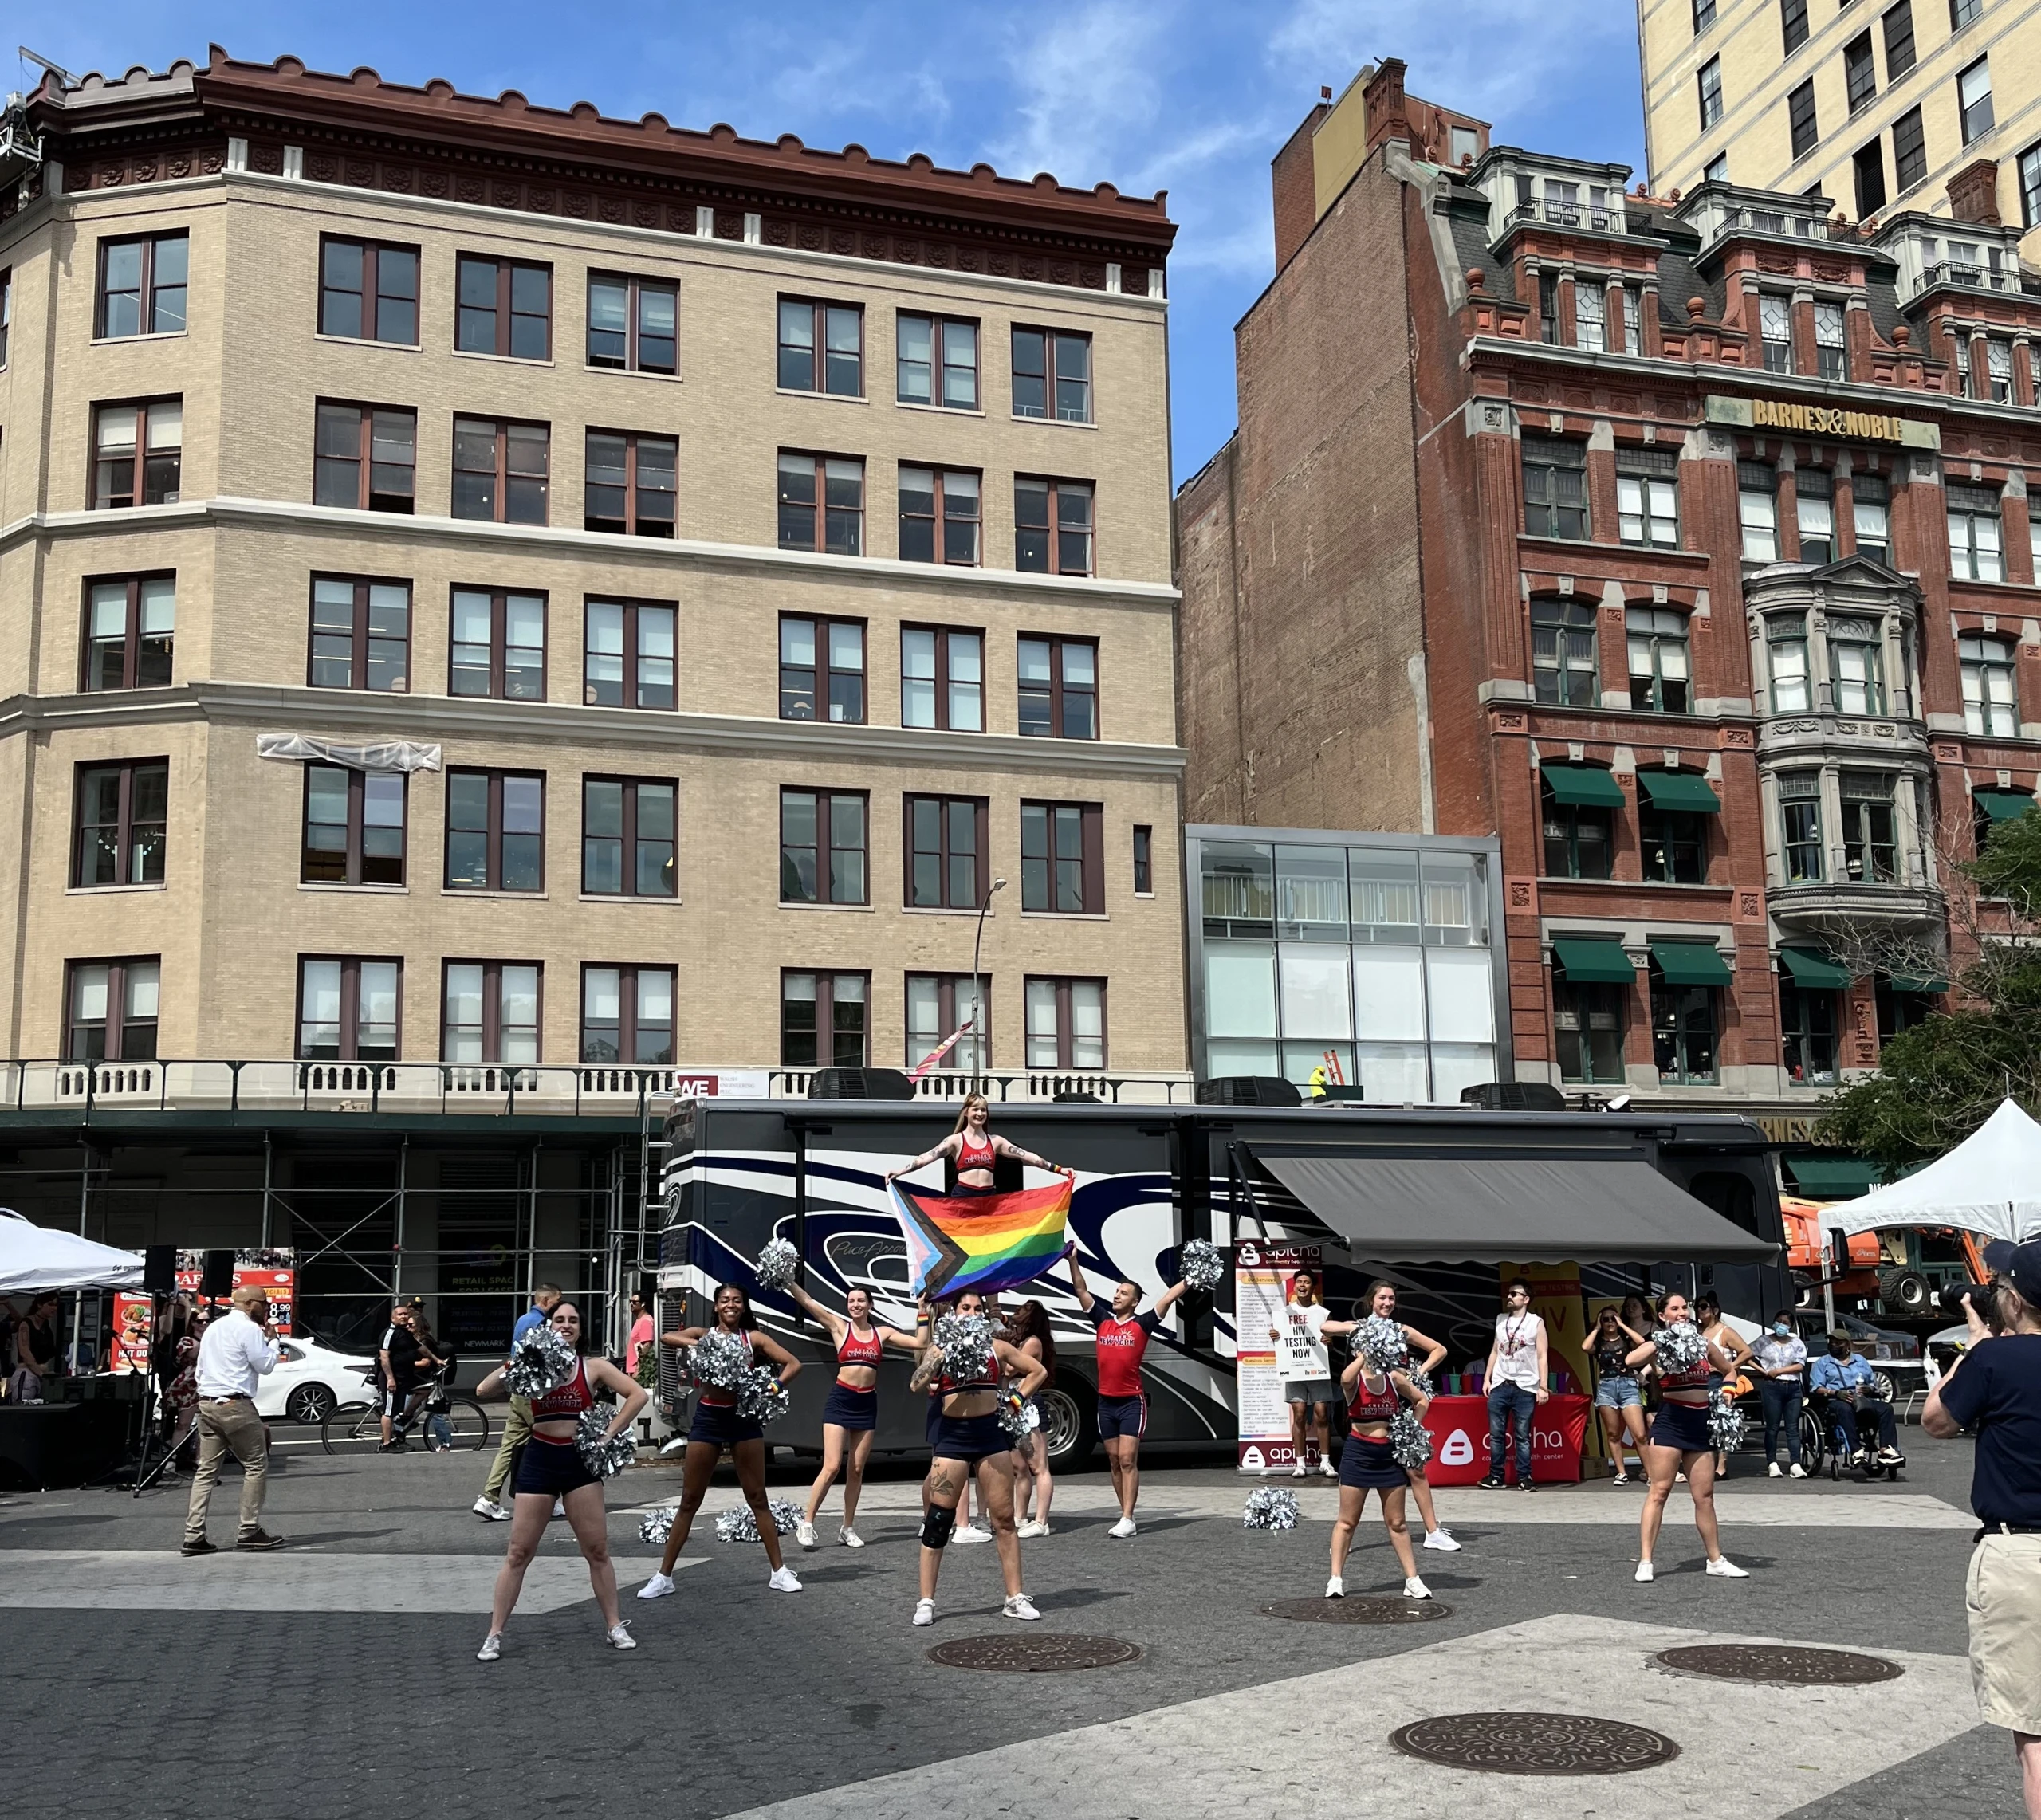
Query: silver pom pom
{"x":1680,"y":1348}
{"x":602,"y":1456}
{"x":656,"y":1526}
{"x":965,"y":1341}
{"x":777,"y":1262}
{"x":1725,"y":1422}
{"x":720,"y":1359}
{"x":542,"y":1361}
{"x":1270,"y":1507}
{"x":1203,"y":1265}
{"x":1380,"y":1342}
{"x":1420,"y":1380}
{"x":1012,"y":1410}
{"x":1410,"y":1442}
{"x":740,"y":1525}
{"x":760,"y":1395}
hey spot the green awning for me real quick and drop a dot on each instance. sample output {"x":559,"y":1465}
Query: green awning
{"x":1815,"y":971}
{"x":1932,"y":984}
{"x":1831,"y":1178}
{"x":1583,"y":786}
{"x":1680,"y":792}
{"x":1593,"y":962}
{"x":2003,"y":805}
{"x":1691,"y":964}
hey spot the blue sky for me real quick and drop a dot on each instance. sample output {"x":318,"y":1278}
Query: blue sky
{"x":1150,"y":94}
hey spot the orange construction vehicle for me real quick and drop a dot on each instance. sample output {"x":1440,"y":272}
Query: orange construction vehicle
{"x":1901,"y":1268}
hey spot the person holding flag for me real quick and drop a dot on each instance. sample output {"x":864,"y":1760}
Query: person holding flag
{"x":975,"y":1150}
{"x":1123,"y":1336}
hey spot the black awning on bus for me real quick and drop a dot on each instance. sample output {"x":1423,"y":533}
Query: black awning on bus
{"x":1522,"y":1208}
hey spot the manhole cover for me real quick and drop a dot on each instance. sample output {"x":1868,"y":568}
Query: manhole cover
{"x":1534,"y":1743}
{"x":1036,"y":1655}
{"x":1786,"y":1664}
{"x":1358,"y":1610}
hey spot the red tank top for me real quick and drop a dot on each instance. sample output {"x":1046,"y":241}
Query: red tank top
{"x":974,"y":1156}
{"x":568,"y":1401}
{"x":852,"y":1350}
{"x":1367,"y":1406}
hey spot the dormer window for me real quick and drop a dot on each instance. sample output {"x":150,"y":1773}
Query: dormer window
{"x":1562,"y":203}
{"x":1774,"y":328}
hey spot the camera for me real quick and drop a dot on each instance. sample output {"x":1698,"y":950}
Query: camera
{"x":1982,"y":1296}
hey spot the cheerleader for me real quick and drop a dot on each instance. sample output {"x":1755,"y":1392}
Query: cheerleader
{"x":1382,"y":1301}
{"x":717,"y":1425}
{"x":1367,"y":1464}
{"x":551,"y":1467}
{"x":851,"y":1417}
{"x":1679,"y":1440}
{"x":1027,"y":1332}
{"x":975,"y":1148}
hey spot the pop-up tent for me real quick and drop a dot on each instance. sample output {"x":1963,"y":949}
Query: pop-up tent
{"x":1990,"y":1184}
{"x":34,"y":1257}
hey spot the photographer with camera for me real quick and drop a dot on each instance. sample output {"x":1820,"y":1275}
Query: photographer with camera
{"x":1995,"y":1387}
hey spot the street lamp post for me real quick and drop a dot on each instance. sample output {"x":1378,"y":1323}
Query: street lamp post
{"x":978,"y":994}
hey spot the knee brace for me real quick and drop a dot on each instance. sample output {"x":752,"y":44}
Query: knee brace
{"x":936,"y":1526}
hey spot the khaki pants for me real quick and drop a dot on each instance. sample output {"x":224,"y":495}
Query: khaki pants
{"x":2003,"y":1597}
{"x":229,"y":1425}
{"x":516,"y":1431}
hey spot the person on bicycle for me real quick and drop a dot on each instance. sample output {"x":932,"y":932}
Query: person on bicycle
{"x":1844,"y":1388}
{"x":437,"y":1364}
{"x":399,"y":1356}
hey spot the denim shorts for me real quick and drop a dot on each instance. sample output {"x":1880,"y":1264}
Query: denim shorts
{"x":1618,"y":1393}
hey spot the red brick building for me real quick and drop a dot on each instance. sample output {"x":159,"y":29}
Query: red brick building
{"x":1683,"y":542}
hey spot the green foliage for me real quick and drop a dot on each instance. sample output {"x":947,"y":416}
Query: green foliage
{"x":2010,"y":866}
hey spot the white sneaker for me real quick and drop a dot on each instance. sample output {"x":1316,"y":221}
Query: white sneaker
{"x":1441,"y":1540}
{"x":1796,"y":1471}
{"x":1774,"y":1471}
{"x":805,"y":1533}
{"x":657,"y":1587}
{"x":1327,"y":1469}
{"x":619,"y":1636}
{"x":678,"y":1445}
{"x":1644,"y":1573}
{"x":925,"y":1611}
{"x":489,"y":1511}
{"x":1890,"y":1456}
{"x":1020,"y":1607}
{"x":1122,"y":1529}
{"x":849,"y":1537}
{"x":1414,"y":1588}
{"x":970,"y":1532}
{"x":492,"y":1647}
{"x":1336,"y":1588}
{"x":559,"y":1510}
{"x":1723,"y":1568}
{"x":1029,"y":1531}
{"x":1299,"y":1471}
{"x":783,"y":1582}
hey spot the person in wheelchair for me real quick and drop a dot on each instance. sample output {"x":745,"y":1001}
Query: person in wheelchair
{"x":1843,"y":1389}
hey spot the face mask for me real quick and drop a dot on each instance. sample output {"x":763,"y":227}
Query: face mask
{"x":1781,"y":1329}
{"x":1839,"y":1351}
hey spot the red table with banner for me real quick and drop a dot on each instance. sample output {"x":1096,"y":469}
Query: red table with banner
{"x":1459,"y":1428}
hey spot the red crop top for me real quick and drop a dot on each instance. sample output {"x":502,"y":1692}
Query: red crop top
{"x":976,"y":1156}
{"x":567,"y":1403}
{"x":852,"y":1350}
{"x":1367,"y":1406}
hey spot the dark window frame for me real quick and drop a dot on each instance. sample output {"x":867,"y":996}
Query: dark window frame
{"x":1054,"y":533}
{"x":148,"y":291}
{"x":1571,"y":831}
{"x":630,"y":844}
{"x":141,"y":483}
{"x":634,"y":522}
{"x":1708,"y":86}
{"x":1566,"y":617}
{"x":1144,"y":860}
{"x":1672,"y":845}
{"x":370,"y":298}
{"x":1802,"y":837}
{"x":823,"y":514}
{"x":1910,"y":152}
{"x":125,"y":825}
{"x":824,"y":850}
{"x":6,"y":310}
{"x":133,"y":643}
{"x":113,"y":1040}
{"x":1867,"y":169}
{"x":493,"y":832}
{"x":499,"y":645}
{"x":1799,"y":1032}
{"x":635,"y":289}
{"x":1860,"y":72}
{"x":629,"y":1031}
{"x":361,"y":639}
{"x":504,"y":316}
{"x":1583,"y":1001}
{"x":1043,"y":877}
{"x":1870,"y":840}
{"x":1703,"y":16}
{"x":841,"y":1054}
{"x":818,"y":349}
{"x":937,"y":363}
{"x":1066,"y":1034}
{"x":348,"y":1039}
{"x":2028,"y":164}
{"x":944,"y":859}
{"x":357,"y":860}
{"x":633,"y":658}
{"x":1052,"y":379}
{"x":940,"y":519}
{"x":1896,"y":26}
{"x":367,"y":496}
{"x":1792,"y":24}
{"x":492,"y":1011}
{"x":1672,"y":1009}
{"x":822,"y":674}
{"x":502,"y":476}
{"x":1061,"y":694}
{"x":1971,"y":128}
{"x":940,"y":682}
{"x":1547,"y":458}
{"x":964,"y":1056}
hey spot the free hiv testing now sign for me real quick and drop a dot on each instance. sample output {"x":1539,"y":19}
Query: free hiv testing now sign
{"x":1262,"y":1273}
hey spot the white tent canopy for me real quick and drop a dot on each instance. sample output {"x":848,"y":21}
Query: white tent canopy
{"x":1990,"y":1184}
{"x":37,"y":1258}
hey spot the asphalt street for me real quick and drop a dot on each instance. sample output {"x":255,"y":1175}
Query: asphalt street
{"x":337,"y":1677}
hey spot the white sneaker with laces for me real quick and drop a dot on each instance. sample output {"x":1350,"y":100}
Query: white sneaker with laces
{"x":1644,"y":1573}
{"x":619,"y":1636}
{"x":489,"y":1511}
{"x":970,"y":1532}
{"x":849,"y":1537}
{"x":1336,"y":1588}
{"x":1123,"y":1528}
{"x":1414,"y":1588}
{"x":1298,"y":1471}
{"x":1442,"y":1540}
{"x":1029,"y":1530}
{"x":1327,"y":1470}
{"x":1723,"y":1568}
{"x":784,"y":1580}
{"x":1890,"y":1456}
{"x":657,"y":1587}
{"x":1797,"y":1471}
{"x":925,"y":1611}
{"x":1020,"y":1607}
{"x":805,"y":1533}
{"x":1774,"y":1471}
{"x":492,"y":1647}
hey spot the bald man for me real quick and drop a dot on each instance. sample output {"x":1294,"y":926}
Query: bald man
{"x":238,"y":1351}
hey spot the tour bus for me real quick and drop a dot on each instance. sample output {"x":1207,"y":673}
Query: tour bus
{"x":737,"y":1173}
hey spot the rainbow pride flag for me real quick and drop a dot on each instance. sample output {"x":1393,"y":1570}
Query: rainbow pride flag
{"x":985,"y":1242}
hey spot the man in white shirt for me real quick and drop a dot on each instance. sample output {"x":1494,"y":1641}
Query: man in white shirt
{"x":239,"y":1349}
{"x":1515,"y":1382}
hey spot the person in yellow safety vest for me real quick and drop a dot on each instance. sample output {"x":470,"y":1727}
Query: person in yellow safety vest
{"x":1320,"y":1081}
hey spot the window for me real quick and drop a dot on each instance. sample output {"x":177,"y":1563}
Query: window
{"x":1800,"y":118}
{"x":1900,"y":1008}
{"x":142,"y":285}
{"x":1060,"y":859}
{"x":1577,"y":840}
{"x":937,"y":362}
{"x":1658,"y":672}
{"x":1990,"y":702}
{"x":1066,"y":1024}
{"x":506,"y":308}
{"x":1587,"y":1027}
{"x":1703,"y":16}
{"x":1868,"y":161}
{"x":1870,"y":494}
{"x":361,"y":633}
{"x":1831,"y":356}
{"x":1052,"y":527}
{"x":824,"y":1019}
{"x":1910,"y":151}
{"x":1998,"y":369}
{"x":348,"y":1008}
{"x":364,"y":458}
{"x":1757,"y":506}
{"x":1548,"y":305}
{"x":942,"y":679}
{"x":1973,"y":534}
{"x":1973,"y":100}
{"x":495,"y":831}
{"x":122,"y":814}
{"x":1785,"y":659}
{"x":501,"y":470}
{"x":946,"y":862}
{"x":822,"y":847}
{"x":822,"y":504}
{"x":1856,"y":666}
{"x":1860,"y":74}
{"x":368,"y":292}
{"x":1673,"y":843}
{"x":112,"y":1010}
{"x":1466,"y":144}
{"x":138,"y":454}
{"x":1800,"y":826}
{"x":628,"y":837}
{"x":1648,"y":498}
{"x":354,"y":826}
{"x":1709,"y":82}
{"x":498,"y":647}
{"x":1633,"y":321}
{"x":1555,"y":488}
{"x":821,"y":347}
{"x":1814,"y":509}
{"x":632,"y":484}
{"x":6,"y":310}
{"x":131,"y":625}
{"x":626,"y":1015}
{"x":941,"y":1003}
{"x":1963,"y":13}
{"x":1563,"y":668}
{"x":2030,"y":214}
{"x":628,"y":654}
{"x":1870,"y":850}
{"x":1144,"y":861}
{"x":938,"y":516}
{"x":491,"y":1014}
{"x":1775,"y":330}
{"x":1806,"y":1032}
{"x":1052,"y":375}
{"x":822,"y":666}
{"x":1793,"y":22}
{"x":1898,"y":28}
{"x":1717,"y":169}
{"x":1682,"y":1031}
{"x":1059,"y":688}
{"x":632,"y":324}
{"x":1591,"y":303}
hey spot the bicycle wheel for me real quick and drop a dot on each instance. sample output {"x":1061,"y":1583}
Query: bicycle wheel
{"x":353,"y":1428}
{"x":469,"y":1422}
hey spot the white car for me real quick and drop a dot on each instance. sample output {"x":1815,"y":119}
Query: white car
{"x":310,"y":1379}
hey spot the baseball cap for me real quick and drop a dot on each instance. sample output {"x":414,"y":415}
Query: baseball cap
{"x":2019,"y":1264}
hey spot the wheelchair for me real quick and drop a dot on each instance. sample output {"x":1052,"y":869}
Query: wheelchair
{"x":1821,"y":1442}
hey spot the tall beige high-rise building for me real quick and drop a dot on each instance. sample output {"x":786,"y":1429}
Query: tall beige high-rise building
{"x":1927,"y":105}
